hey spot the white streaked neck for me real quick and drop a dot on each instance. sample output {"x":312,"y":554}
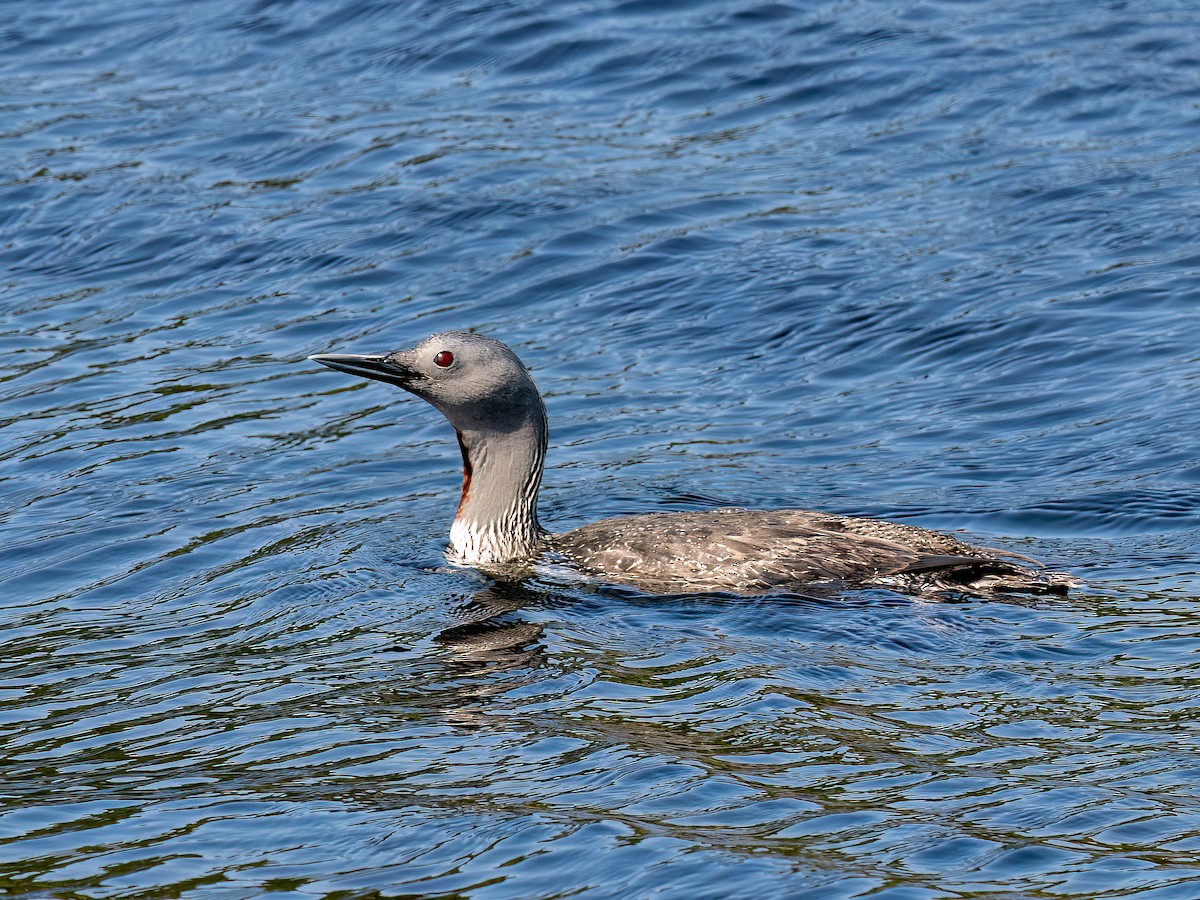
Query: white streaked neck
{"x":502,"y":471}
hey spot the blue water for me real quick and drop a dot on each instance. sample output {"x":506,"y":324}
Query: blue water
{"x":936,"y":262}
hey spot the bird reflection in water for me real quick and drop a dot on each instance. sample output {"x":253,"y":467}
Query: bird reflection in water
{"x":493,"y":637}
{"x":490,"y":638}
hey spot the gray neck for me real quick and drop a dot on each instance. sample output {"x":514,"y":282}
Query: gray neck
{"x":502,"y":470}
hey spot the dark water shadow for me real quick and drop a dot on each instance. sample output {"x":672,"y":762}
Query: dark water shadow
{"x":492,"y":648}
{"x":492,"y":635}
{"x":841,"y":595}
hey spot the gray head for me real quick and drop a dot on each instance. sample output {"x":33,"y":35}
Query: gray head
{"x":490,"y":399}
{"x":477,"y":383}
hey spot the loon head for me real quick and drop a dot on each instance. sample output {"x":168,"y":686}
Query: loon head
{"x":476,"y":382}
{"x":489,"y":397}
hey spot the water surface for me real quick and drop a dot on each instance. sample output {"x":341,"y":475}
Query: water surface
{"x":935,"y":262}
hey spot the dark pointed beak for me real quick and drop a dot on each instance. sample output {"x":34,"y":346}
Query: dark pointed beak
{"x":379,"y":368}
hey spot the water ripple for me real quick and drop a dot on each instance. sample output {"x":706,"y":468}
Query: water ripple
{"x":931,"y":262}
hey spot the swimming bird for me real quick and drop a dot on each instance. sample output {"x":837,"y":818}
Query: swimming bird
{"x":489,"y":396}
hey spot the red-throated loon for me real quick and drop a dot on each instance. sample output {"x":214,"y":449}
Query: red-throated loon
{"x":489,"y":397}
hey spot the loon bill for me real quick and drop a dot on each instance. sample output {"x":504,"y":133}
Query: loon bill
{"x":489,"y":397}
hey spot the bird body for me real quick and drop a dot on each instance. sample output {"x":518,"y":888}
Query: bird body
{"x":489,"y":397}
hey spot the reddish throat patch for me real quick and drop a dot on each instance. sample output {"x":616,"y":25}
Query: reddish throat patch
{"x":466,"y":487}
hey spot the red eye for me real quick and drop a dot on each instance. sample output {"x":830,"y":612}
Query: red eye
{"x":443,"y":359}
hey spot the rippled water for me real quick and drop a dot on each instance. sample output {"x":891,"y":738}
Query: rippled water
{"x":935,"y":261}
